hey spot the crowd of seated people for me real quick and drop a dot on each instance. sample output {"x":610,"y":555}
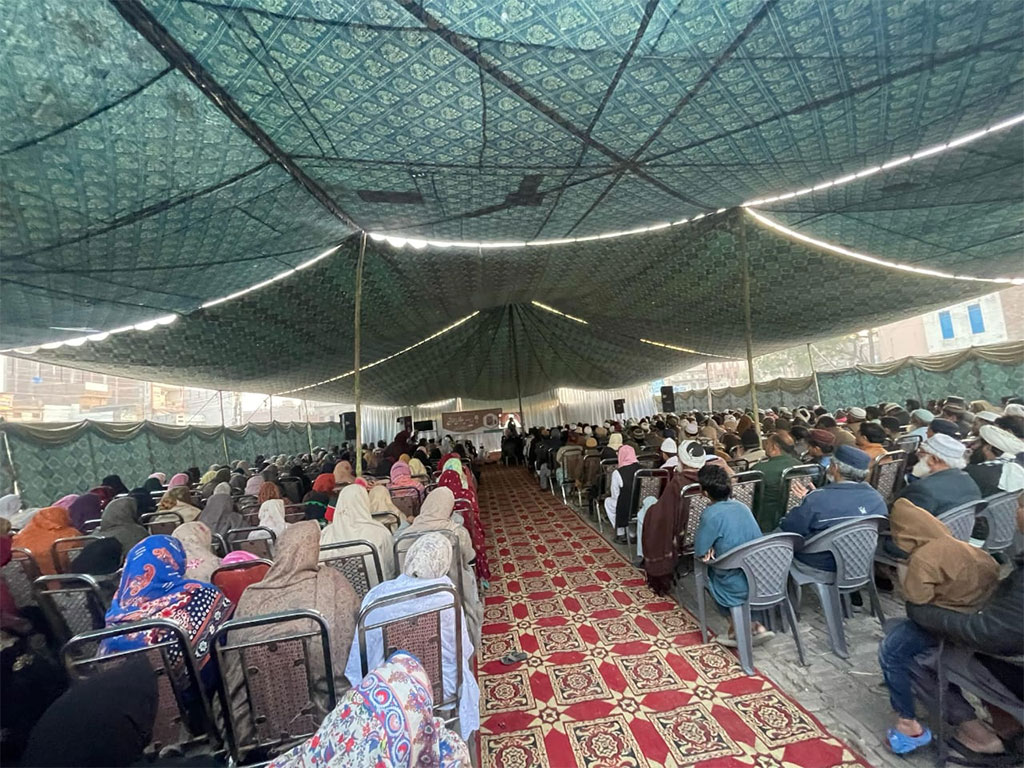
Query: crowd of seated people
{"x":949,"y":453}
{"x":297,"y":508}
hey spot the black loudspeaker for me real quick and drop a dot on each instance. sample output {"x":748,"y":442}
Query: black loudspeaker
{"x":348,"y":424}
{"x":620,"y":406}
{"x":423,"y":426}
{"x":668,"y":399}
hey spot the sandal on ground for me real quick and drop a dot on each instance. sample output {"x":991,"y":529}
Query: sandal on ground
{"x":762,"y":637}
{"x":513,"y":658}
{"x":726,"y":641}
{"x":901,"y":744}
{"x":970,"y":757}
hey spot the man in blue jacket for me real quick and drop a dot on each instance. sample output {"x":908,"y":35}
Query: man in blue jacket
{"x":846,"y":496}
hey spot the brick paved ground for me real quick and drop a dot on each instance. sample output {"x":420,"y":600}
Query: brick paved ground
{"x":846,"y":695}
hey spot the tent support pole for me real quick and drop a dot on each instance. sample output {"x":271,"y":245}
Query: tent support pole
{"x":223,"y":427}
{"x":271,"y":399}
{"x":355,"y":354}
{"x":309,"y":428}
{"x":814,"y":374}
{"x":515,"y":367}
{"x":745,"y":257}
{"x":707,"y":372}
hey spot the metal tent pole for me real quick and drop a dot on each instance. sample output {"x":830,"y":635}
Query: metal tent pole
{"x":707,"y":372}
{"x":355,"y":354}
{"x":515,"y":365}
{"x":814,"y":373}
{"x":223,"y":427}
{"x":745,"y":257}
{"x":309,"y":427}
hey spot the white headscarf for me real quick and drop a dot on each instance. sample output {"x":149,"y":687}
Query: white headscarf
{"x":353,"y":521}
{"x":429,"y":557}
{"x":222,"y":488}
{"x":272,"y":516}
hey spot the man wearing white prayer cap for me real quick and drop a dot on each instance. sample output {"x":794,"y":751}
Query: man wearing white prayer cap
{"x":854,"y":417}
{"x":994,"y":463}
{"x":920,"y":418}
{"x":941,"y":482}
{"x":668,"y":453}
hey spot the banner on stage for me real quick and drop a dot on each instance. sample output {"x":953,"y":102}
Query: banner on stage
{"x":460,"y":422}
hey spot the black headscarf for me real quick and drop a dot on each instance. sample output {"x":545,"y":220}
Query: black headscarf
{"x":116,"y":484}
{"x":143,"y":501}
{"x":104,"y":720}
{"x":99,"y":558}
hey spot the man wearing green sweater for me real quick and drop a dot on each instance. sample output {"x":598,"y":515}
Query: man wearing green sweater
{"x":781,"y":453}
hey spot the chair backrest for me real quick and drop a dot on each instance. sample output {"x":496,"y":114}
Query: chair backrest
{"x":238,"y":538}
{"x":887,"y":473}
{"x":463,"y":507}
{"x":806,"y":475}
{"x":609,"y":466}
{"x":218,"y":545}
{"x":745,"y":486}
{"x":908,"y":443}
{"x":90,"y":525}
{"x":281,"y":684}
{"x":388,"y":519}
{"x":571,"y":457}
{"x":161,"y":523}
{"x":646,"y":482}
{"x":233,"y":578}
{"x":292,"y":488}
{"x":418,"y":631}
{"x":852,"y":544}
{"x":294,"y":513}
{"x":20,"y":573}
{"x":183,"y":710}
{"x":407,"y":500}
{"x":246,"y":501}
{"x":405,"y":540}
{"x":1001,"y":513}
{"x":695,"y":503}
{"x":358,"y":561}
{"x":739,"y":465}
{"x":765,"y":562}
{"x":649,"y":460}
{"x":72,"y":603}
{"x":960,"y":520}
{"x":428,"y":487}
{"x":64,"y":551}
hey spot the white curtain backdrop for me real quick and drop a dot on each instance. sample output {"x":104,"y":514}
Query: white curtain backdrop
{"x":557,"y":406}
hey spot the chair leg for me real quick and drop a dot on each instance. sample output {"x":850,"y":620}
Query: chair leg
{"x":942,"y":749}
{"x":791,"y":616}
{"x":698,"y":583}
{"x":846,"y":605}
{"x":831,"y":605}
{"x":876,"y":603}
{"x":744,"y":642}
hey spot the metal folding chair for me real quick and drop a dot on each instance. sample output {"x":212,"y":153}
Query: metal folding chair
{"x":89,"y":526}
{"x":358,"y":561}
{"x":739,"y":465}
{"x":649,"y":459}
{"x":807,"y":475}
{"x":405,"y":540}
{"x":766,"y":563}
{"x":646,"y":482}
{"x":887,"y":472}
{"x":389,"y":520}
{"x":263,"y":547}
{"x":746,"y":486}
{"x":161,"y":523}
{"x":418,"y":631}
{"x":183,"y":716}
{"x":853,"y":545}
{"x":608,"y":466}
{"x":292,"y":489}
{"x":908,"y":444}
{"x":64,"y":551}
{"x":285,"y":698}
{"x":569,"y":457}
{"x":294,"y":513}
{"x":233,"y":578}
{"x":696,"y":502}
{"x":20,"y":574}
{"x":72,"y":603}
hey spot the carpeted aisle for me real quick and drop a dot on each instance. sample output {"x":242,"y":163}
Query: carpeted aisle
{"x":615,"y":676}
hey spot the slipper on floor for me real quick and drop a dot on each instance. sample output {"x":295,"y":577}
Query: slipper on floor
{"x":901,"y":744}
{"x":970,"y":757}
{"x":760,"y":638}
{"x":726,"y":641}
{"x":513,"y":658}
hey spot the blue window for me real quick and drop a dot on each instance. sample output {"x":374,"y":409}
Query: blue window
{"x":976,"y":318}
{"x":946,"y":324}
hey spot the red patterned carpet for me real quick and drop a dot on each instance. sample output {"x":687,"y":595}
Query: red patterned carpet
{"x":616,"y":676}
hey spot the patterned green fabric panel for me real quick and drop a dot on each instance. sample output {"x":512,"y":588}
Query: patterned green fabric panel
{"x":46,"y":473}
{"x":680,"y":286}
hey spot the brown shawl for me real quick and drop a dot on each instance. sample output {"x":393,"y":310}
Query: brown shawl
{"x":664,"y":526}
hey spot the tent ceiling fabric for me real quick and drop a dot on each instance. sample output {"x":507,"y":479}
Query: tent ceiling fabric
{"x":680,"y":286}
{"x":126,"y":193}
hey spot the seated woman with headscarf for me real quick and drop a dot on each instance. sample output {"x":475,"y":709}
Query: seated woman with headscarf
{"x":154,"y":586}
{"x":119,"y":521}
{"x":458,"y":485}
{"x":616,"y":506}
{"x":388,"y":720}
{"x":436,"y":515}
{"x":180,"y":479}
{"x":253,"y":485}
{"x":271,"y":514}
{"x":220,"y":515}
{"x":296,"y":581}
{"x":197,"y":538}
{"x":319,"y":498}
{"x":208,"y":488}
{"x":177,"y":500}
{"x":43,"y":529}
{"x":427,"y":562}
{"x":418,"y":470}
{"x":352,"y":521}
{"x":115,"y":484}
{"x":343,"y":474}
{"x":88,"y":506}
{"x":401,"y":477}
{"x":381,"y":503}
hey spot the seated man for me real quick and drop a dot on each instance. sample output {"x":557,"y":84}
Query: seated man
{"x":846,"y":496}
{"x":820,"y":445}
{"x":997,"y":629}
{"x":920,"y":418}
{"x":870,"y":439}
{"x":942,"y":482}
{"x":726,"y":524}
{"x":668,"y":452}
{"x":993,"y":464}
{"x":771,"y":504}
{"x":841,"y":436}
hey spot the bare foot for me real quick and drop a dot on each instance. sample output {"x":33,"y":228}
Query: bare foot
{"x":979,"y":737}
{"x":908,"y":727}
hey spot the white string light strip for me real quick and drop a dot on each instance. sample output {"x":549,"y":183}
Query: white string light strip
{"x":645,"y":341}
{"x":411,"y":347}
{"x":793,"y":234}
{"x":148,"y":325}
{"x":890,"y":164}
